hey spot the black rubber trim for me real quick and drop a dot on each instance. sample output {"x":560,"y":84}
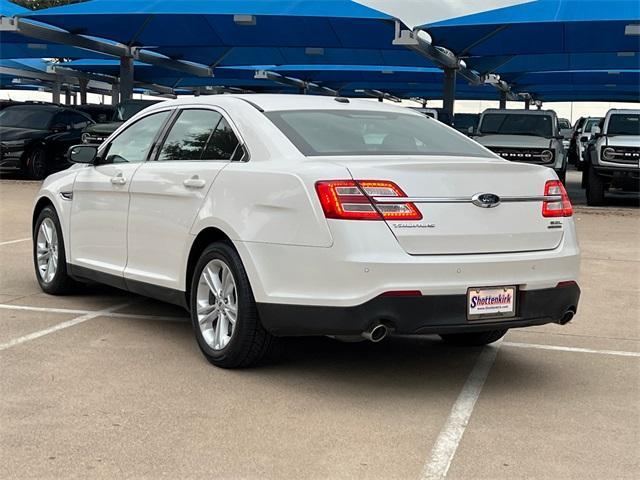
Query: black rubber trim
{"x":415,"y":315}
{"x":164,"y":294}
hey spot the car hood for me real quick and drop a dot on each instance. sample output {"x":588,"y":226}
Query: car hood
{"x":103,"y":128}
{"x":523,"y":141}
{"x":11,"y":134}
{"x":624,"y":140}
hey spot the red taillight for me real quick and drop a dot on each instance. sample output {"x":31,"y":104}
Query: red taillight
{"x":353,"y":200}
{"x":556,"y":208}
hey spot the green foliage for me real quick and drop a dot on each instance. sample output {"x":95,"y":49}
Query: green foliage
{"x":39,"y":4}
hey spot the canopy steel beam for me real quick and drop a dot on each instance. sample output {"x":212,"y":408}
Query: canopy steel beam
{"x":293,"y":82}
{"x":379,"y":95}
{"x":48,"y":34}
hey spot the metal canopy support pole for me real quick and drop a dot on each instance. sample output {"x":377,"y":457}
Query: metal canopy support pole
{"x":115,"y":94}
{"x":55,"y":91}
{"x":503,"y":100}
{"x":83,"y":90}
{"x":526,"y":104}
{"x":449,"y":90}
{"x":126,"y":78}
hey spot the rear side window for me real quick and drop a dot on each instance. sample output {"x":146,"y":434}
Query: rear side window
{"x":355,"y":132}
{"x":199,"y":135}
{"x":190,"y":135}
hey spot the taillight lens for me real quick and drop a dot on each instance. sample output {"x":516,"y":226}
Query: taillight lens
{"x":353,"y":200}
{"x":556,"y":208}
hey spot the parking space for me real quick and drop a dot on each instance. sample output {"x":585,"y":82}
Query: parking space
{"x":105,"y":384}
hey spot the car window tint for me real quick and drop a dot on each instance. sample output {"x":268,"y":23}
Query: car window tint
{"x":133,"y":144}
{"x":190,"y":135}
{"x":223,"y":142}
{"x":77,"y":121}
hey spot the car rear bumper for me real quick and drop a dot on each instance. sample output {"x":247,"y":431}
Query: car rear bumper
{"x":418,"y":315}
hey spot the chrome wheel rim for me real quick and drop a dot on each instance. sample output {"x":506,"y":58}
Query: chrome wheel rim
{"x":47,"y":250}
{"x":217,"y":304}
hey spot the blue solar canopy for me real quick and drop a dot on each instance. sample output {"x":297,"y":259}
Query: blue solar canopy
{"x":241,"y":32}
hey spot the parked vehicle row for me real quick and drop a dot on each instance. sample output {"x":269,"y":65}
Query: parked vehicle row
{"x":123,"y":111}
{"x":285,"y":215}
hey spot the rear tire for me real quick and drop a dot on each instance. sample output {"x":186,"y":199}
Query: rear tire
{"x":35,"y":164}
{"x":473,"y":339}
{"x":223,"y":312}
{"x":49,"y":258}
{"x":595,"y":188}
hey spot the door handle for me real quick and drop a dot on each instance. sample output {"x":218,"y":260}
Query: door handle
{"x":118,"y":179}
{"x":194,"y":182}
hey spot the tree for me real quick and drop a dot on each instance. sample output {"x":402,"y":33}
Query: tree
{"x":39,"y":4}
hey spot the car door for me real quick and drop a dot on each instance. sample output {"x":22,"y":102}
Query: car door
{"x":98,"y":225}
{"x":167,"y":193}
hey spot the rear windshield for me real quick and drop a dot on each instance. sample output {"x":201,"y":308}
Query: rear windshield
{"x":624,"y":124}
{"x":354,"y":132}
{"x":517,"y":124}
{"x":26,"y":117}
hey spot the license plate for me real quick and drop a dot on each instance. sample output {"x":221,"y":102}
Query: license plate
{"x":489,"y":303}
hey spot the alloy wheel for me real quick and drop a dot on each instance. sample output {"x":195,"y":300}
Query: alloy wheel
{"x":47,"y":250}
{"x":217,"y":304}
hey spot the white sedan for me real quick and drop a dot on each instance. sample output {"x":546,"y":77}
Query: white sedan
{"x":286,"y":215}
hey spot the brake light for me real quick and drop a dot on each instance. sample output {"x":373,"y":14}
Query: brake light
{"x":556,"y":208}
{"x":353,"y":200}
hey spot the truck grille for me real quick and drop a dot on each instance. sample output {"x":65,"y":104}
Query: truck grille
{"x":527,"y":155}
{"x":625,"y":155}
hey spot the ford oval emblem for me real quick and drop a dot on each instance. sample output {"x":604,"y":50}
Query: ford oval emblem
{"x":485,"y":200}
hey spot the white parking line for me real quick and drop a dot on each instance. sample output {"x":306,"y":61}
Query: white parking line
{"x":571,"y":349}
{"x":137,"y":316}
{"x":449,"y":438}
{"x":9,"y":242}
{"x":60,"y":326}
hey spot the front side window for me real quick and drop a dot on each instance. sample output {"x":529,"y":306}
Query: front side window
{"x":516,"y":124}
{"x":133,"y":144}
{"x":592,"y":122}
{"x":77,"y":121}
{"x":355,"y":132}
{"x":624,"y":124}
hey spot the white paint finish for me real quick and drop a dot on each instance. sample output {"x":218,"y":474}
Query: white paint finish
{"x":60,"y":326}
{"x":451,"y":434}
{"x":465,"y":228}
{"x":161,"y":213}
{"x":366,"y":260}
{"x":571,"y":349}
{"x":11,"y":242}
{"x":421,"y":12}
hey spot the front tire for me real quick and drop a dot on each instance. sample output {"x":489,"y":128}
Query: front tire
{"x":595,"y":188}
{"x":49,"y":257}
{"x":35,"y":164}
{"x":223,"y":311}
{"x":473,"y":339}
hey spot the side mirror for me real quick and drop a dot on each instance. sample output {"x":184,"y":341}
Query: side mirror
{"x":471,"y":130}
{"x":83,"y":154}
{"x":596,"y":132}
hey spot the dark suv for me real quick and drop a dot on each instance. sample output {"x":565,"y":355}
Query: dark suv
{"x":34,"y":138}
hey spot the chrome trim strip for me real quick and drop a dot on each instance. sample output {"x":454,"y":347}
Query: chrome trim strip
{"x":538,"y":198}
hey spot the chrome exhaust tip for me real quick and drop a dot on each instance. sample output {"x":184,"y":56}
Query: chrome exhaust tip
{"x":376,"y":334}
{"x":567,"y":317}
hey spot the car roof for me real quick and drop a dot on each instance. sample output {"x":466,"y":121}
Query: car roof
{"x":623,"y":111}
{"x":279,"y":102}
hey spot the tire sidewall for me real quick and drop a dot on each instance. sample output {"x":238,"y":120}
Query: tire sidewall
{"x":246,"y":304}
{"x":60,"y":276}
{"x":29,"y":166}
